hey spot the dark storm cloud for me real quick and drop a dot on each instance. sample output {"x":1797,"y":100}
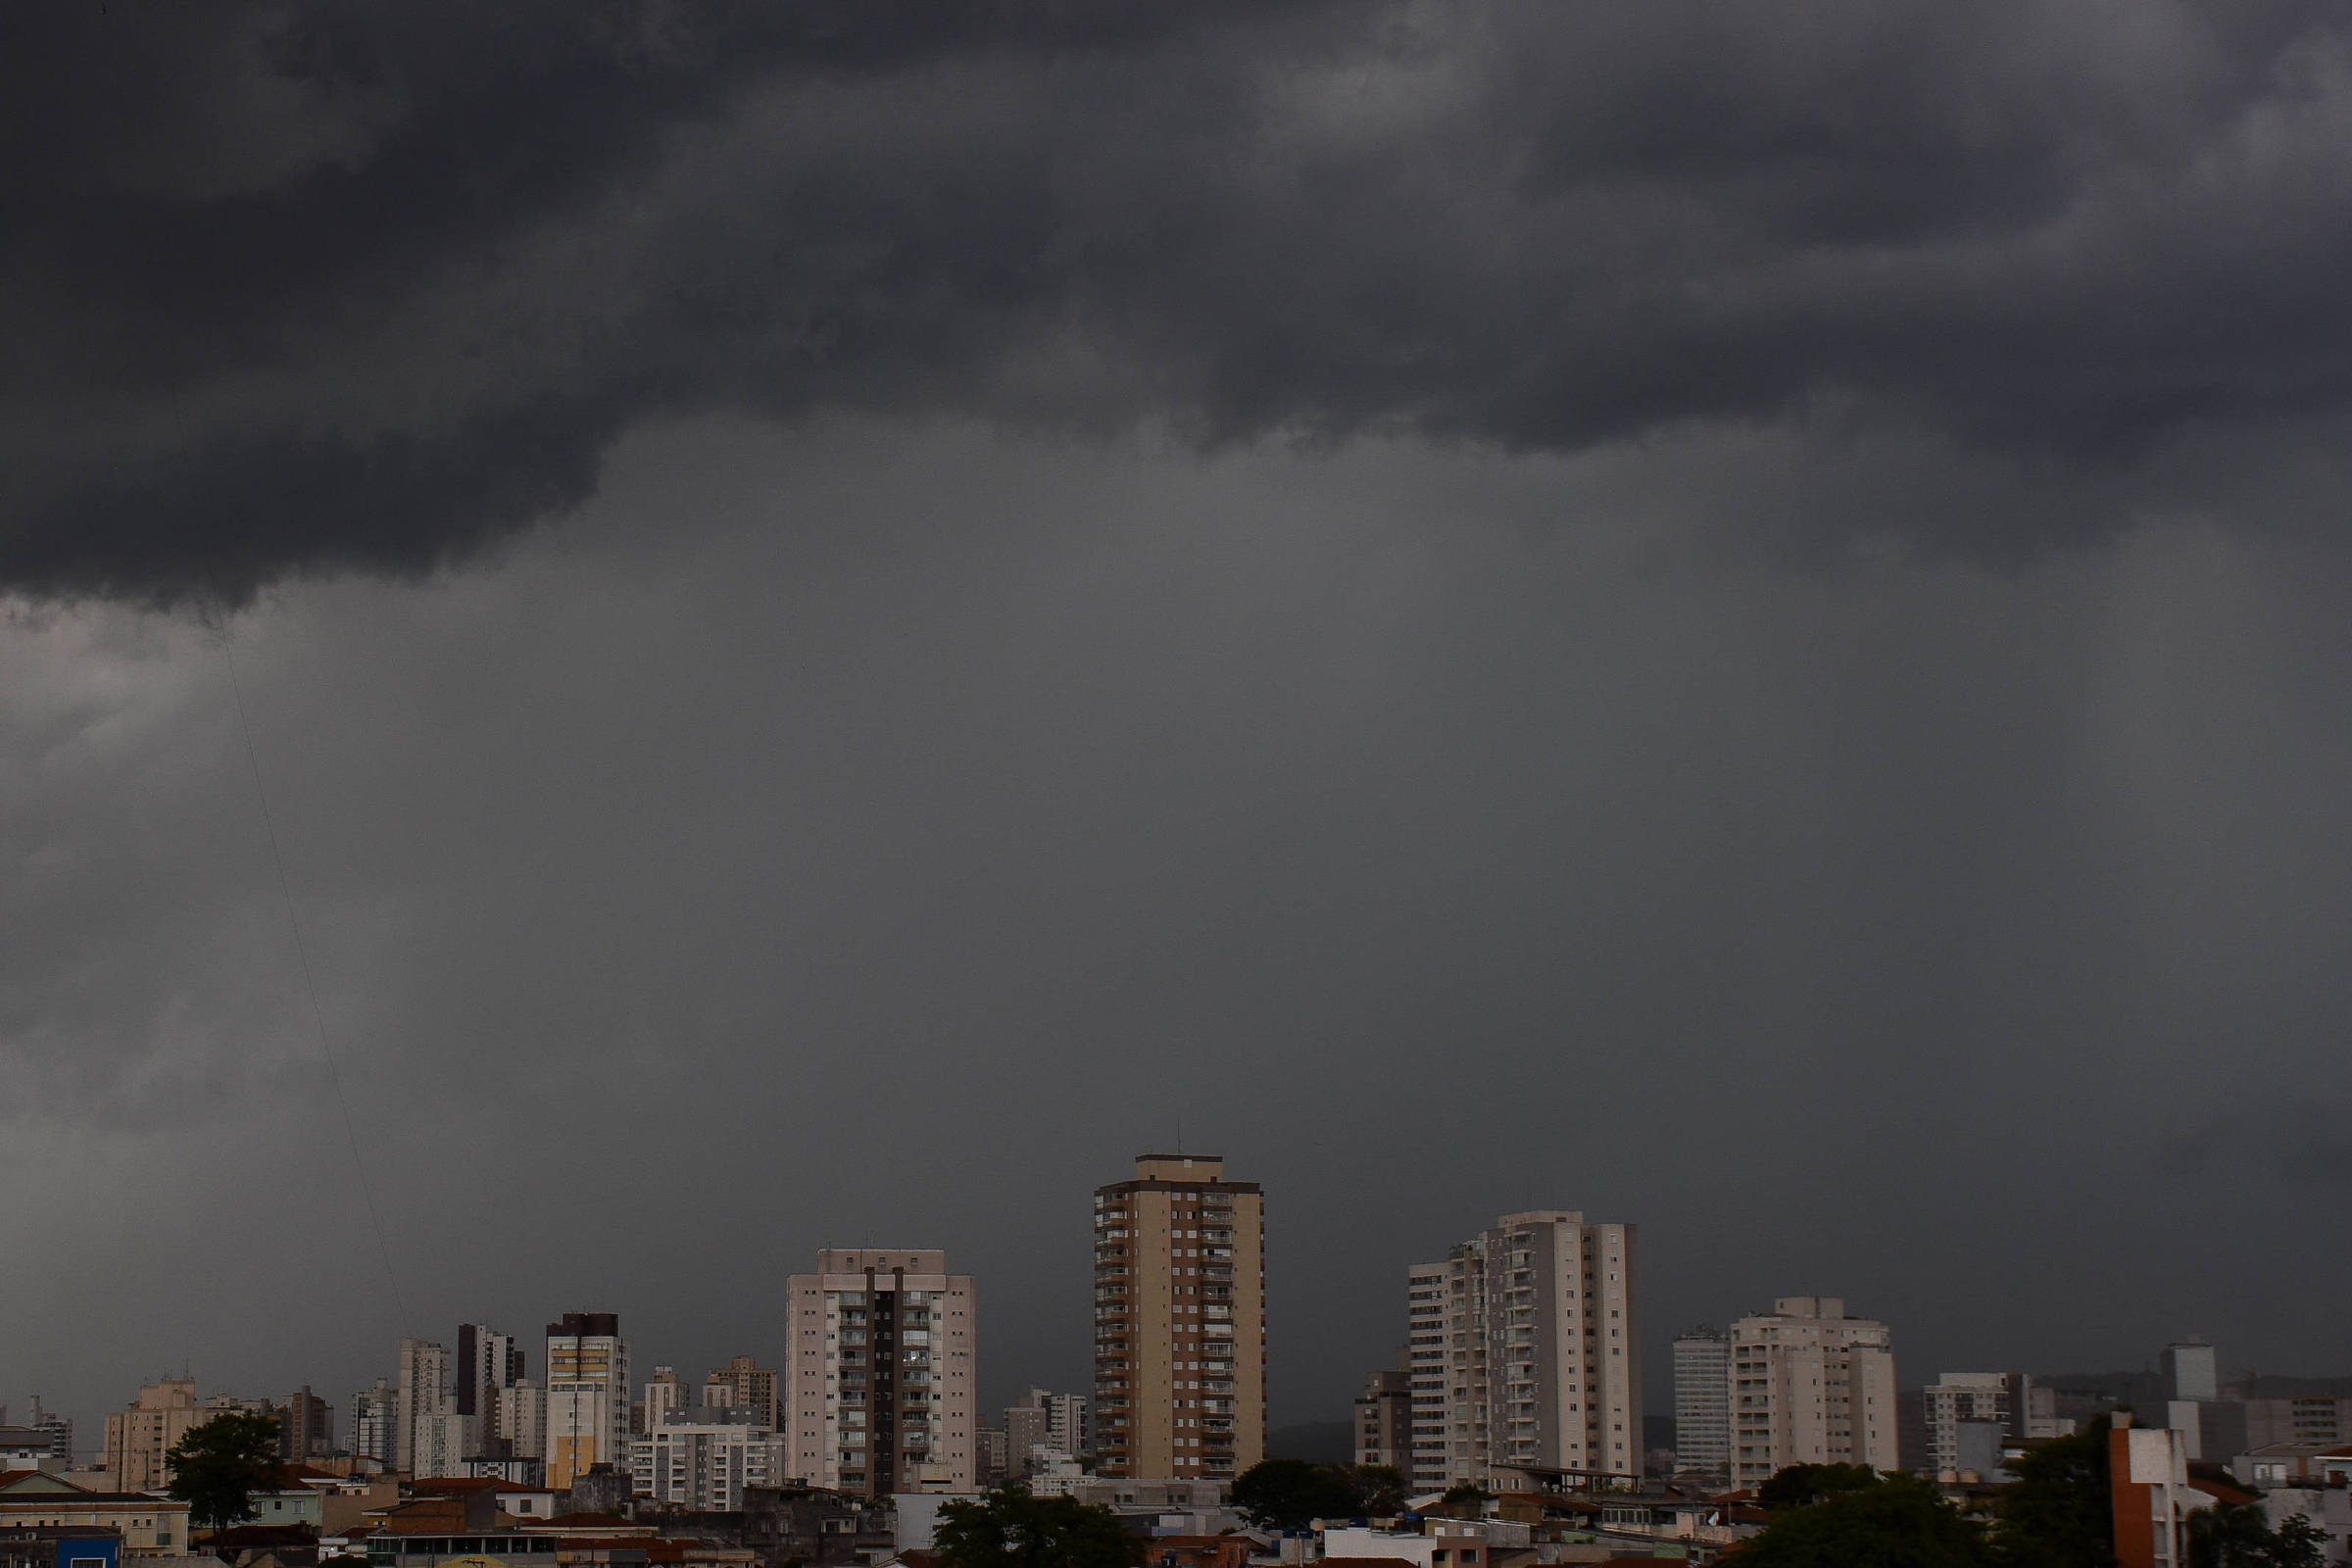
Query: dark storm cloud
{"x":907,"y":823}
{"x":366,"y":286}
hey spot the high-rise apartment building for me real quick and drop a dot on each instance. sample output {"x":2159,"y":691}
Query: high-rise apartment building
{"x":139,"y":1436}
{"x":522,"y":1420}
{"x":1702,"y":1401}
{"x":1384,"y":1418}
{"x":991,"y":1462}
{"x":882,"y":1380}
{"x":1427,"y":1360}
{"x":1024,"y":1436}
{"x":1811,"y":1385}
{"x":699,"y":1459}
{"x":1180,"y":1321}
{"x":1542,"y":1348}
{"x":426,"y":1433}
{"x":1069,"y":1422}
{"x":375,"y":1423}
{"x":2191,"y":1370}
{"x":664,"y":1392}
{"x":743,"y":1384}
{"x":1956,"y":1407}
{"x":306,"y":1427}
{"x":489,"y":1364}
{"x":587,"y":1395}
{"x":1043,"y":1421}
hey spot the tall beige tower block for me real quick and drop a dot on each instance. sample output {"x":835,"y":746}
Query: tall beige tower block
{"x":1811,"y":1385}
{"x":138,"y":1437}
{"x":1180,"y":1321}
{"x":881,"y":1385}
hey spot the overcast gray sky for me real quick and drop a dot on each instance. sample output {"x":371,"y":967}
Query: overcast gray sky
{"x":1734,"y":622}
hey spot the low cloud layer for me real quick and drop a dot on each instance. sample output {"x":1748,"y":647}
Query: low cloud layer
{"x":366,"y":288}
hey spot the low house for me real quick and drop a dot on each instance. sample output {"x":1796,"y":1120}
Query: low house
{"x":1200,"y":1551}
{"x":85,"y":1546}
{"x":146,"y":1525}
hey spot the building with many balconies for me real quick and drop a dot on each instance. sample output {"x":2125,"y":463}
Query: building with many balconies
{"x":881,"y":1384}
{"x":1180,"y":1321}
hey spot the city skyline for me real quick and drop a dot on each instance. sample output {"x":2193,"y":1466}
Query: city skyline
{"x":1657,"y":1390}
{"x":648,"y":641}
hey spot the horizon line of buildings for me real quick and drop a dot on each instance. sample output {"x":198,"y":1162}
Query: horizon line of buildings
{"x":1522,"y":1358}
{"x":876,"y":1392}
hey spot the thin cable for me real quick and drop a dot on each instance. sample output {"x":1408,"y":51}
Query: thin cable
{"x":310,"y":986}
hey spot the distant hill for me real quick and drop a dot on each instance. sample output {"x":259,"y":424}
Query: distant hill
{"x":1318,"y":1441}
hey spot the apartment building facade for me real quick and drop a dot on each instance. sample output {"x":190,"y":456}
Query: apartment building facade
{"x":1542,"y":1349}
{"x":1702,"y":1401}
{"x":1041,"y":1420}
{"x":1384,"y":1419}
{"x":1958,"y":1408}
{"x":2193,"y":1370}
{"x":1180,"y":1322}
{"x":587,"y":1419}
{"x":1426,"y":1361}
{"x":1811,"y":1385}
{"x":882,"y":1380}
{"x":489,"y":1373}
{"x":138,"y":1436}
{"x":664,"y":1392}
{"x":375,"y":1423}
{"x":306,"y":1427}
{"x":694,"y":1461}
{"x":1024,"y":1436}
{"x":428,"y":1440}
{"x":743,"y":1384}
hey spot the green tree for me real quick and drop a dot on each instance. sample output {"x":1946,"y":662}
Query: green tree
{"x":1465,"y":1501}
{"x":1799,"y":1486}
{"x":216,"y":1467}
{"x":2238,"y":1535}
{"x":1293,"y":1494}
{"x":1379,"y":1488}
{"x":2057,"y":1513}
{"x":1011,"y":1529}
{"x":1892,"y":1522}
